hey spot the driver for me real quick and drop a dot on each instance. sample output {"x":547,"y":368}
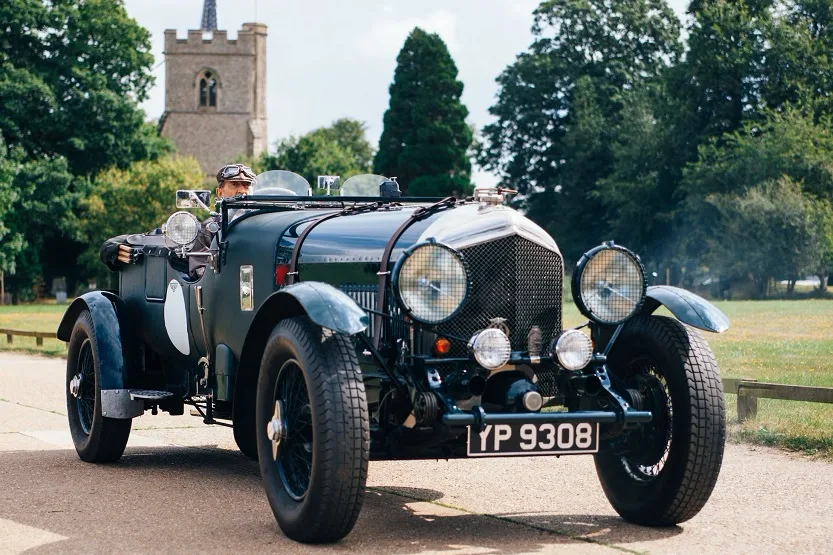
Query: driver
{"x":232,"y":180}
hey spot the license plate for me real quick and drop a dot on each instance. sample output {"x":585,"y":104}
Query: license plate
{"x":502,"y":440}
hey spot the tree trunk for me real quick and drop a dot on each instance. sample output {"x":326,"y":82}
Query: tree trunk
{"x":823,"y":283}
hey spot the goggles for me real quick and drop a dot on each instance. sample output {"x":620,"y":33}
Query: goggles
{"x":235,"y":171}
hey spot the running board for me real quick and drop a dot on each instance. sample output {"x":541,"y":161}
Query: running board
{"x":149,"y":395}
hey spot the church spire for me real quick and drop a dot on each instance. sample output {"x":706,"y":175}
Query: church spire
{"x":209,"y":15}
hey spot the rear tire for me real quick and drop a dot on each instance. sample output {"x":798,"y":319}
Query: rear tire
{"x":97,"y":439}
{"x":672,"y":465}
{"x":315,"y":479}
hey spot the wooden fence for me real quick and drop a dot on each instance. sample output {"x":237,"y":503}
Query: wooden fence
{"x":749,"y":391}
{"x":38,"y":335}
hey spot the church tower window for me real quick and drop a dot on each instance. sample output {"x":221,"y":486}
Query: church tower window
{"x":208,"y":89}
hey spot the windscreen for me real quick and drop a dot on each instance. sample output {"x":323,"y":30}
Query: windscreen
{"x":281,"y":183}
{"x":364,"y":185}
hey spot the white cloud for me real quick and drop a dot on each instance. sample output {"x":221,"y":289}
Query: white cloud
{"x":385,"y":38}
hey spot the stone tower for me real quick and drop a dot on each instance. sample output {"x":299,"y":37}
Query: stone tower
{"x":215,"y":92}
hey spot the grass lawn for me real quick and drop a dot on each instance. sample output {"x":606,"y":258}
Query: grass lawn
{"x":35,"y":317}
{"x":787,"y":342}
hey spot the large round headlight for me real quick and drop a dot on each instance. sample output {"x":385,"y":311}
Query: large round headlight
{"x":609,"y":284}
{"x":431,"y":283}
{"x":182,"y":228}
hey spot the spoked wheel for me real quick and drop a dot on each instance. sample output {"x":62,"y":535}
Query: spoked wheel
{"x":312,"y":431}
{"x":82,"y":386}
{"x":96,"y":438}
{"x":666,"y":470}
{"x":293,"y":452}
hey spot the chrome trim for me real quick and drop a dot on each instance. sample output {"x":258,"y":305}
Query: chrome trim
{"x":532,"y":401}
{"x":247,"y":288}
{"x":275,"y":429}
{"x":75,"y":385}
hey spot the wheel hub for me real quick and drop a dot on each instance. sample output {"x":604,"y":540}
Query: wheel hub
{"x":75,"y":385}
{"x":648,"y":445}
{"x":275,"y":429}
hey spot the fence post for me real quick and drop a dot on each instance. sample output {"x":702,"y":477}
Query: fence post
{"x":9,"y":338}
{"x":39,"y":341}
{"x":747,"y":406}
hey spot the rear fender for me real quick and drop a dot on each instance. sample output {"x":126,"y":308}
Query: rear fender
{"x":687,"y":307}
{"x":115,"y":345}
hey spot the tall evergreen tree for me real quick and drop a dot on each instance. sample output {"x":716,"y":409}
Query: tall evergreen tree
{"x":425,"y":141}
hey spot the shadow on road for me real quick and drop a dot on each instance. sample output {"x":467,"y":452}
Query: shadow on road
{"x":211,"y":500}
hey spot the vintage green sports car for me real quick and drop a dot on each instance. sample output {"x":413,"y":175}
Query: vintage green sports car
{"x":329,"y":331}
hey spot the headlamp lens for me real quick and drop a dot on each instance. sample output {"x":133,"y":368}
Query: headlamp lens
{"x":573,"y":350}
{"x":182,"y":228}
{"x":611,"y":286}
{"x":432,"y":283}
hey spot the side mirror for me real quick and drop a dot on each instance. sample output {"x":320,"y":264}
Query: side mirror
{"x":188,"y":198}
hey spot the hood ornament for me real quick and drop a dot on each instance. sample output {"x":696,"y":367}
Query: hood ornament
{"x":492,"y":195}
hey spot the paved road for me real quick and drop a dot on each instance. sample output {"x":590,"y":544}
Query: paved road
{"x":182,"y":488}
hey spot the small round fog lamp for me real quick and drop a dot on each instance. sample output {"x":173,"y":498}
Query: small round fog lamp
{"x":491,"y":348}
{"x":573,"y":350}
{"x":182,"y":228}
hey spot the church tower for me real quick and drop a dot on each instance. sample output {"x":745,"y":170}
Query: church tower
{"x":215,"y":92}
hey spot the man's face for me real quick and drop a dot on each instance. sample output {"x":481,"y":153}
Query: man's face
{"x":232,"y":188}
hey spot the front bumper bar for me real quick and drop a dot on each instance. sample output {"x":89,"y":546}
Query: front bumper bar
{"x":479,"y":418}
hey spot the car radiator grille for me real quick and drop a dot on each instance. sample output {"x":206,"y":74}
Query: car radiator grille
{"x":513,"y":279}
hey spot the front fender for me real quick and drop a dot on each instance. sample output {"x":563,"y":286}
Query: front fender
{"x":687,"y":307}
{"x":327,"y":307}
{"x":114,"y":349}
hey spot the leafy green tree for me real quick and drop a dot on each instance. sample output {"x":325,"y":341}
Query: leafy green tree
{"x":133,"y":200}
{"x":11,"y":243}
{"x":560,"y":103}
{"x":639,"y":195}
{"x":43,"y":214}
{"x":71,"y":76}
{"x":340,"y":149}
{"x":734,"y":178}
{"x":425,"y":132}
{"x":785,"y":143}
{"x":767,"y":232}
{"x":821,"y":221}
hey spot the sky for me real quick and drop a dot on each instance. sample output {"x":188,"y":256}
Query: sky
{"x":328,"y":59}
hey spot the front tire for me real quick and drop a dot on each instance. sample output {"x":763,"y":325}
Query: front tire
{"x":97,"y":439}
{"x":669,"y":468}
{"x":315,"y":476}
